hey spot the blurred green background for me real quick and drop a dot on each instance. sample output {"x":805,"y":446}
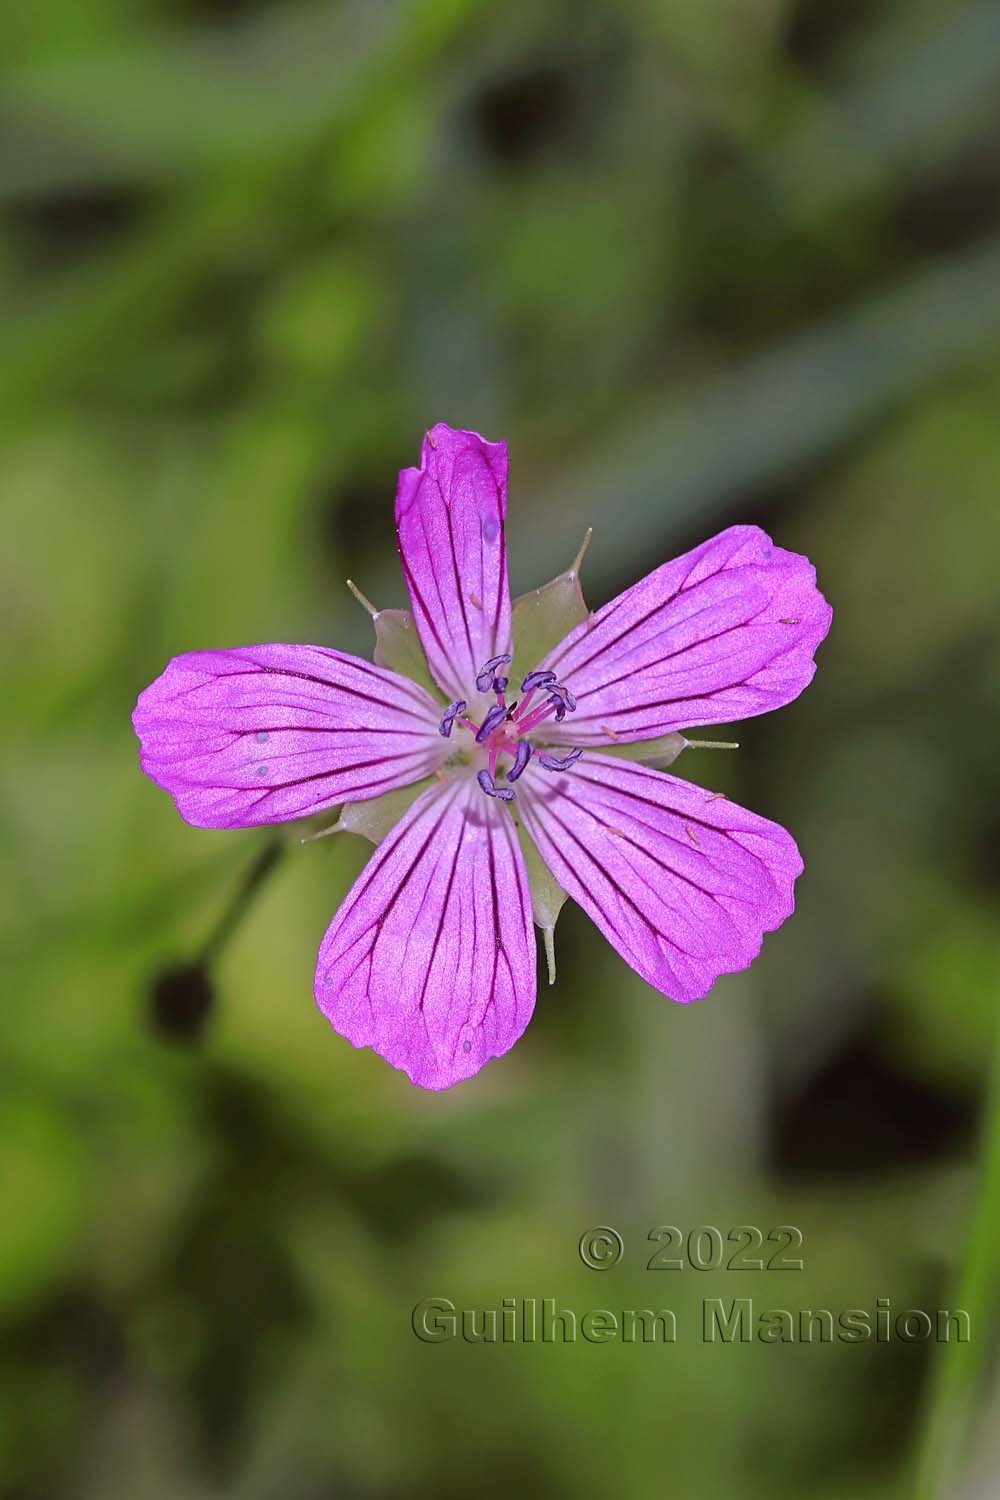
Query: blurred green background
{"x":702,"y":262}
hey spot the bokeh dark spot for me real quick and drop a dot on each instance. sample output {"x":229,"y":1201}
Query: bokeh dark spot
{"x":818,"y":29}
{"x":517,"y":117}
{"x":861,"y":1113}
{"x":220,"y":10}
{"x":62,"y":228}
{"x":354,"y":519}
{"x":405,"y":1195}
{"x":181,"y":999}
{"x":77,"y":1329}
{"x":956,"y":206}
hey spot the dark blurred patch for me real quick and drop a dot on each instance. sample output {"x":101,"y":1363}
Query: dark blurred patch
{"x":862,"y":1112}
{"x":574,"y":977}
{"x":957,"y":205}
{"x":218,"y":10}
{"x":892,"y":1377}
{"x":818,"y":29}
{"x":232,"y":1272}
{"x":402,"y":1197}
{"x":354,"y":519}
{"x":498,"y":1473}
{"x":68,"y":227}
{"x":884,"y":1384}
{"x":182,"y":994}
{"x":181,"y":998}
{"x":784,"y":275}
{"x":74,"y":1340}
{"x":75,"y":1330}
{"x":985,"y":860}
{"x":518,"y":117}
{"x":876,"y":1390}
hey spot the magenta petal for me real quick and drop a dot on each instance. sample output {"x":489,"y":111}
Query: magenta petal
{"x":450,"y":523}
{"x":431,"y":958}
{"x":683,"y":883}
{"x":724,"y":632}
{"x":267,"y":733}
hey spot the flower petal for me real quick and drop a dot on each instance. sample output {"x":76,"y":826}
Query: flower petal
{"x":681,"y":881}
{"x":431,"y":958}
{"x":724,"y":632}
{"x":267,"y":733}
{"x":450,"y":523}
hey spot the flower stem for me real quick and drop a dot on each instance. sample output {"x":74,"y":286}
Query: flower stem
{"x":959,"y":1377}
{"x":233,"y":914}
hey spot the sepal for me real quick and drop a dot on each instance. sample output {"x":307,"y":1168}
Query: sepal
{"x":545,"y":616}
{"x":547,"y":897}
{"x":397,"y":646}
{"x":659,"y":753}
{"x":372,"y":820}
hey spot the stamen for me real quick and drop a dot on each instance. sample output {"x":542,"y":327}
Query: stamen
{"x":451,"y":714}
{"x":560,"y":701}
{"x":496,"y":716}
{"x":489,"y":786}
{"x":535,"y":679}
{"x":563,"y":693}
{"x":500,"y":685}
{"x":521,"y":759}
{"x":553,"y":763}
{"x":525,"y":723}
{"x":487,"y":671}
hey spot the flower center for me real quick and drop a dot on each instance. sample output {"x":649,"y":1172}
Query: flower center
{"x":505,"y":726}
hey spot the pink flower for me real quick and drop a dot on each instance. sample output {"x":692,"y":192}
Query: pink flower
{"x":431,"y":960}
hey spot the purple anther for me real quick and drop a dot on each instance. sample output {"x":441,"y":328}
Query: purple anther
{"x":560,"y":708}
{"x":496,"y":716}
{"x":489,"y":786}
{"x":500,"y":684}
{"x":535,"y":679}
{"x":521,"y":758}
{"x":553,"y":763}
{"x":451,"y":714}
{"x":487,"y":671}
{"x":564,"y":693}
